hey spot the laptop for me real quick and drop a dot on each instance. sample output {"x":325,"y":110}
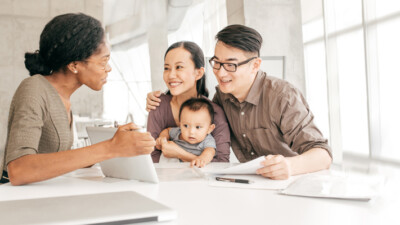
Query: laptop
{"x":131,"y":168}
{"x":104,"y":208}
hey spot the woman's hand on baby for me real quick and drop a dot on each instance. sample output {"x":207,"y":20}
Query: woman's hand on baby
{"x":153,"y":100}
{"x":159,"y":143}
{"x":169,"y":148}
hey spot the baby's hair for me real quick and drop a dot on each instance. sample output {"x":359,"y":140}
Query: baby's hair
{"x":195,"y":104}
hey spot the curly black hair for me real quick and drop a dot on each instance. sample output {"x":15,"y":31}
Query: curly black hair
{"x":65,"y":39}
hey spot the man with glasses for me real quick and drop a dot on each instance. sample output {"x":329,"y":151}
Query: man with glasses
{"x":267,"y":116}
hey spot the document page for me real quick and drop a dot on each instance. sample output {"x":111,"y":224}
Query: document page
{"x":356,"y":187}
{"x":242,"y":168}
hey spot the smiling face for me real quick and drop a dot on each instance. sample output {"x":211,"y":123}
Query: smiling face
{"x":195,"y":125}
{"x":236,"y":83}
{"x":93,"y":71}
{"x":180,"y":74}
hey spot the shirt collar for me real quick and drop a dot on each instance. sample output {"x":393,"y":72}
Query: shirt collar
{"x":255,"y":91}
{"x":254,"y":94}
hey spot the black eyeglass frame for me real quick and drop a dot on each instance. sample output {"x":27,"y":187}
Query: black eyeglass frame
{"x":235,"y":64}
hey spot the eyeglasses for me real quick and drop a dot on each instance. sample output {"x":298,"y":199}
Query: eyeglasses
{"x":230,"y":67}
{"x":103,"y":65}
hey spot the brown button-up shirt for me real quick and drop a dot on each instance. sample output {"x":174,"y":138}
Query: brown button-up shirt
{"x":273,"y":119}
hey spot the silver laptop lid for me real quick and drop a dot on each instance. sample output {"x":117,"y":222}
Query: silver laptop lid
{"x":104,"y":208}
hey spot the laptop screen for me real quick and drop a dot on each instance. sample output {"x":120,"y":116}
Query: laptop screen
{"x":104,"y":208}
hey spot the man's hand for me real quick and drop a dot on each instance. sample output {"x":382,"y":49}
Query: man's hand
{"x":276,"y":167}
{"x":153,"y":100}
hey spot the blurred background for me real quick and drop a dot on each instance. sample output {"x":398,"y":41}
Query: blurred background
{"x":342,"y":54}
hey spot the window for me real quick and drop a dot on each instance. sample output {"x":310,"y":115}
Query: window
{"x":350,"y":52}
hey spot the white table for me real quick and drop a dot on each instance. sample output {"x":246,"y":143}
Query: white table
{"x":198,"y":203}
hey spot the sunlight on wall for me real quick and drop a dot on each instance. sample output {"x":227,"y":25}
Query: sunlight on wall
{"x":127,"y":86}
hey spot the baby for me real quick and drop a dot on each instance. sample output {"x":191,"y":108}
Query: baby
{"x":196,"y":119}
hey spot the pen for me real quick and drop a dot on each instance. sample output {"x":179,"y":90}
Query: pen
{"x":226,"y":179}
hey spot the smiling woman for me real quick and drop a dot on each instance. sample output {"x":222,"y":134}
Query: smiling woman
{"x":185,"y":79}
{"x":73,"y":52}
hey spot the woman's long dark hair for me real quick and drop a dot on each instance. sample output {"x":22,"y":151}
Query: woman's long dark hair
{"x":65,"y":39}
{"x":197,"y":58}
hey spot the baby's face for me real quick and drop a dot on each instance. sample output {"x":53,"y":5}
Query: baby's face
{"x":195,"y":125}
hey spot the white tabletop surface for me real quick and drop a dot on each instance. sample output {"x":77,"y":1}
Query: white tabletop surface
{"x":197,"y":202}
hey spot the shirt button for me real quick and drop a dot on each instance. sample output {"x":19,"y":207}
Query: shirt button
{"x":244,"y":135}
{"x":242,"y":113}
{"x":251,"y":153}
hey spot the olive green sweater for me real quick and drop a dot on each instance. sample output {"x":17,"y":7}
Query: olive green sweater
{"x":38,"y":121}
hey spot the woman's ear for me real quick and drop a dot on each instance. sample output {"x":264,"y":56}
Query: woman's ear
{"x":72,"y":67}
{"x":199,"y":73}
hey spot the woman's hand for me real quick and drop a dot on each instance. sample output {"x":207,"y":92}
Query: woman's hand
{"x":158,"y":143}
{"x":276,"y":167}
{"x":128,"y":142}
{"x":170,"y":149}
{"x":153,"y":100}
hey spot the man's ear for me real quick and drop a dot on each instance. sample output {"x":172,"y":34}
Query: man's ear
{"x":72,"y":67}
{"x":211,"y":128}
{"x":256,"y":64}
{"x":199,"y":73}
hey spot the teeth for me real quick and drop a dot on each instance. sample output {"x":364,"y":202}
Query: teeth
{"x":174,"y":84}
{"x":225,"y":81}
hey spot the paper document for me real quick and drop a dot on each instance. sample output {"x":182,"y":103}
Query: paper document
{"x":333,"y":186}
{"x":242,"y":168}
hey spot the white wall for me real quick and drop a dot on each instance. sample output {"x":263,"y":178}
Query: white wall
{"x":21,"y":22}
{"x":279,"y":23}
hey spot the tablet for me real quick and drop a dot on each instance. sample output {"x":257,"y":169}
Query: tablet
{"x":131,"y":168}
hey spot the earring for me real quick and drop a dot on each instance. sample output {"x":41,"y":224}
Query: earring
{"x":75,"y":71}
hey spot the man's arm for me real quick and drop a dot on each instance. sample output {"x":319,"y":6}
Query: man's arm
{"x":313,"y":160}
{"x":295,"y":122}
{"x":278,"y":167}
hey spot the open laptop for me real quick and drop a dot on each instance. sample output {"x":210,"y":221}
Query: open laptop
{"x":132,"y":168}
{"x":104,"y":208}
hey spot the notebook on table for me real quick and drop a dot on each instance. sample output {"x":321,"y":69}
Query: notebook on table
{"x":132,"y":168}
{"x":104,"y":208}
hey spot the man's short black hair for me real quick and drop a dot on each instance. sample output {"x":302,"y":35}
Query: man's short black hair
{"x":241,"y":37}
{"x":195,"y":104}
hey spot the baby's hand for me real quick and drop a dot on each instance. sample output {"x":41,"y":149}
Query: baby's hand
{"x":199,"y":162}
{"x":159,"y":143}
